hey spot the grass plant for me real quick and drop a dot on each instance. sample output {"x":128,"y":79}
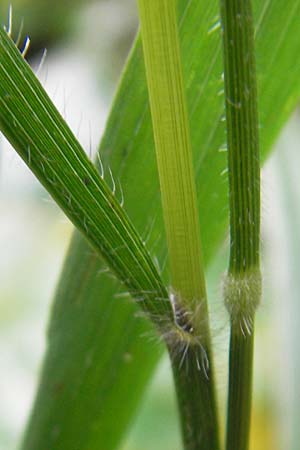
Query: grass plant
{"x":167,"y":127}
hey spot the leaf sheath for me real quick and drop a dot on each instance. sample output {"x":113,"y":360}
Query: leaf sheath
{"x":189,"y":346}
{"x":242,"y":290}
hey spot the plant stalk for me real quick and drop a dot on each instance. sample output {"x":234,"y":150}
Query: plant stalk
{"x":242,"y":290}
{"x":240,"y":390}
{"x":188,"y":340}
{"x":191,"y":365}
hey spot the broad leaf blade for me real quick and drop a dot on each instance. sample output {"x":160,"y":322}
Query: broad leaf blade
{"x":89,"y":376}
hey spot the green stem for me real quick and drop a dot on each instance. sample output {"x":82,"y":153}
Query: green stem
{"x":240,"y":388}
{"x":243,"y":284}
{"x":189,"y":340}
{"x":242,"y":134}
{"x":196,"y":397}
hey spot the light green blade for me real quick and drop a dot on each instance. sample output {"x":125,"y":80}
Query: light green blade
{"x":127,"y":146}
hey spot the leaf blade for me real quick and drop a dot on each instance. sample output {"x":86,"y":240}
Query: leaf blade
{"x":49,"y":148}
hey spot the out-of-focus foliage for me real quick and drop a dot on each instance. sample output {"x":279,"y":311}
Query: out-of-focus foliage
{"x":45,"y":21}
{"x":49,"y":22}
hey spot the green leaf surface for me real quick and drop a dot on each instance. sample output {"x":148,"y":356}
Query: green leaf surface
{"x":39,"y":134}
{"x":190,"y":351}
{"x":99,"y":359}
{"x":128,"y":147}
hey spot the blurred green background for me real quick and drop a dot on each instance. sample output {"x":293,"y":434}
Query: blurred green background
{"x":87,"y":44}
